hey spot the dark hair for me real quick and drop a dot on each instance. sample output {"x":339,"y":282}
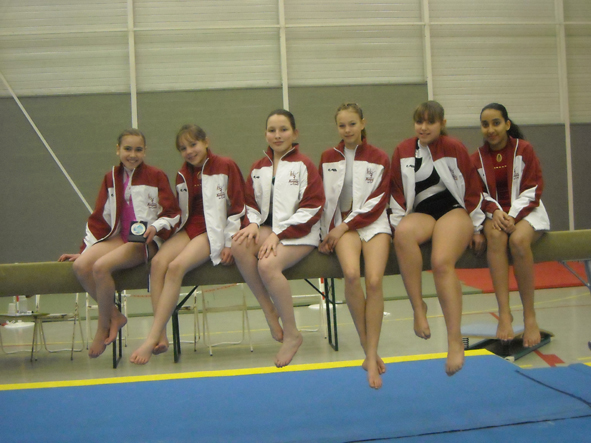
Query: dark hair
{"x":130,"y":131}
{"x":514,"y":130}
{"x":356,"y":109}
{"x":284,"y":113}
{"x":193,"y":131}
{"x":431,"y":111}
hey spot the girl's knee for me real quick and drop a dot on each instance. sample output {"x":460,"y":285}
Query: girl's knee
{"x":100,"y":270}
{"x":351,"y":276}
{"x":268,"y":268}
{"x":238,"y":251}
{"x":81,"y":268}
{"x":176,"y":269}
{"x":496,"y":238}
{"x":159,"y":264}
{"x":373,"y":285}
{"x":519,"y":245}
{"x":442,"y":265}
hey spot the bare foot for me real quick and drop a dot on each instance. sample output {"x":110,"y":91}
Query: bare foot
{"x":98,"y":345}
{"x":421,"y":323}
{"x":505,"y":329}
{"x":380,"y":362}
{"x":162,"y":345}
{"x":288,"y":349}
{"x":275,"y":326}
{"x":531,"y":334}
{"x":142,"y":355}
{"x":373,"y":374}
{"x":118,"y":320}
{"x":455,"y":357}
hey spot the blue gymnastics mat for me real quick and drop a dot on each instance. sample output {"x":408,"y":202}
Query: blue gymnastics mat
{"x":299,"y":404}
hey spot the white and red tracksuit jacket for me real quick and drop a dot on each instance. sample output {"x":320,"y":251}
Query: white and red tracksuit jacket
{"x":371,"y":190}
{"x":298,"y":197}
{"x":222,"y":187}
{"x":452,"y":162}
{"x":153,"y":202}
{"x":524,"y":176}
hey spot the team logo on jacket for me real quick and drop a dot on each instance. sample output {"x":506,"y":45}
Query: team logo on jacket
{"x":369,"y":175}
{"x":293,"y":179}
{"x":152,"y":202}
{"x":220,"y":194}
{"x":453,"y":174}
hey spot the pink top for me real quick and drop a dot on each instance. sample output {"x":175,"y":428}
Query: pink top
{"x":127,"y":214}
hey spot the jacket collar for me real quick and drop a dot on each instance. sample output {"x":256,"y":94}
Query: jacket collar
{"x":270,"y":153}
{"x":360,"y":148}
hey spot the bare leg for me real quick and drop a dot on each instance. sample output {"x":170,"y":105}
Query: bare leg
{"x":498,"y":263}
{"x":83,"y":270}
{"x":271,"y":273}
{"x":520,"y":242}
{"x":103,"y":259}
{"x":375,"y":254}
{"x":451,"y":237}
{"x":412,"y":231}
{"x":159,"y":265}
{"x":246,"y":259}
{"x":348,"y":251}
{"x":189,"y":255}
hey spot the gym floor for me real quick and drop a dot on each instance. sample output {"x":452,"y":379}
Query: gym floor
{"x":565,"y":312}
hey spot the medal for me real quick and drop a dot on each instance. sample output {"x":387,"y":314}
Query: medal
{"x":136,"y":232}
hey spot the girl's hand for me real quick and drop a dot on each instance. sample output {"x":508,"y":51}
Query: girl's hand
{"x":510,"y":225}
{"x":333,"y":237}
{"x":250,"y":233}
{"x":323,"y":247}
{"x":478,"y":243}
{"x":270,"y":245}
{"x":68,"y":257}
{"x":227,"y":258}
{"x":498,"y":220}
{"x":149,"y":234}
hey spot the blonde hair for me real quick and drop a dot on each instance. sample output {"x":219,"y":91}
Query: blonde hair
{"x":356,"y":109}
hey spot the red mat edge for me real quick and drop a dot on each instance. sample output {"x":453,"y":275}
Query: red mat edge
{"x":547,"y":275}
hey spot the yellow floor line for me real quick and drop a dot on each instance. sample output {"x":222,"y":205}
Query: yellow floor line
{"x":224,"y":373}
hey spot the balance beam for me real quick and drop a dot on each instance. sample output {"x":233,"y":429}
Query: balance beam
{"x":58,"y":278}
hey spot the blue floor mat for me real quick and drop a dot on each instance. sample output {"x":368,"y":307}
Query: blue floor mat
{"x":326,"y":405}
{"x":567,"y":430}
{"x":574,"y":380}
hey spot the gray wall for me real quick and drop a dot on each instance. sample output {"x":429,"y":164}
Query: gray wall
{"x":581,"y":153}
{"x":42,"y":217}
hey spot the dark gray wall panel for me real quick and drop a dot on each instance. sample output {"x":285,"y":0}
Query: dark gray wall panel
{"x":43,"y":217}
{"x":234,"y":121}
{"x":41,"y":214}
{"x":388,"y":110}
{"x":581,"y":152}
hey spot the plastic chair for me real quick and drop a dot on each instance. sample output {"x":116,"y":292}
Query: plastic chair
{"x":54,"y":318}
{"x":319,"y":297}
{"x":207,"y":309}
{"x":196,"y":325}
